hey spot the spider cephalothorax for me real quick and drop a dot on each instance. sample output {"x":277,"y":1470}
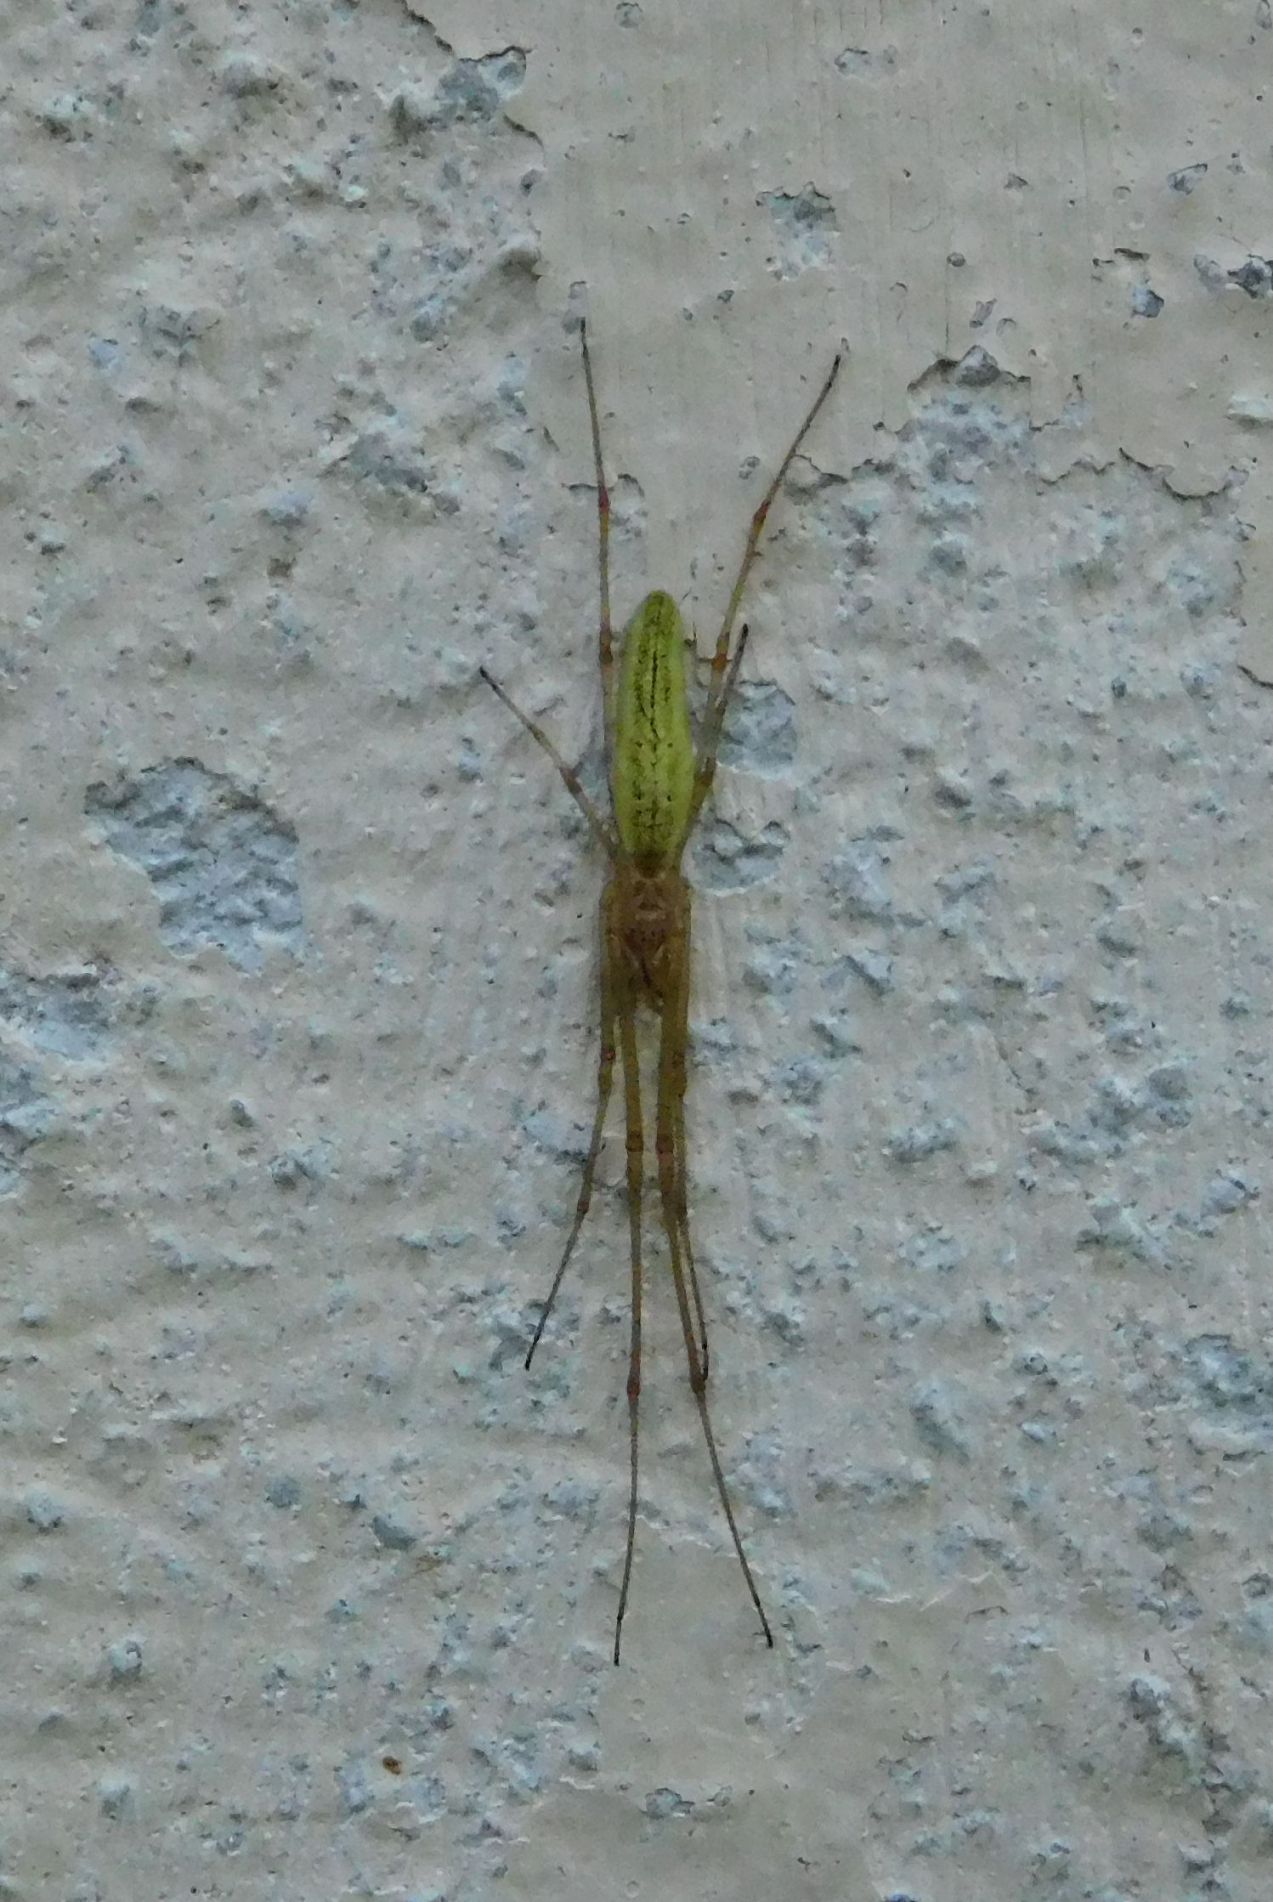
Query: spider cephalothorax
{"x":648,"y":915}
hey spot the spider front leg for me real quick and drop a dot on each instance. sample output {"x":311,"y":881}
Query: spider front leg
{"x":635,"y":1147}
{"x":605,"y":1081}
{"x":678,"y":1061}
{"x":672,"y":1168}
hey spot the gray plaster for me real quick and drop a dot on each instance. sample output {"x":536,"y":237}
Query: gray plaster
{"x":308,"y":1585}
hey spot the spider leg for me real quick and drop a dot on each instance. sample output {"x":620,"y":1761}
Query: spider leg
{"x":710,"y":736}
{"x":627,"y":1006}
{"x":677,"y":1061}
{"x":605,"y":1079}
{"x":720,"y":683}
{"x":605,"y":640}
{"x":670,"y":1043}
{"x":601,"y":830}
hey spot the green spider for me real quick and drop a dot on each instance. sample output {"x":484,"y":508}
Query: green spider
{"x":658,"y":781}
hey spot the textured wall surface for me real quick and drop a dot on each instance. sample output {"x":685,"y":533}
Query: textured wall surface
{"x":308,"y":1588}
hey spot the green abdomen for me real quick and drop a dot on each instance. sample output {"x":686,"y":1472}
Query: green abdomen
{"x":653,"y":745}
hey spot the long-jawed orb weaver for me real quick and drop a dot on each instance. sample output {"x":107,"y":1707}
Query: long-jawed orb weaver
{"x":658,"y":780}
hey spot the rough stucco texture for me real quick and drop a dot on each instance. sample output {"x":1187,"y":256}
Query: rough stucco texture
{"x":307,"y":1587}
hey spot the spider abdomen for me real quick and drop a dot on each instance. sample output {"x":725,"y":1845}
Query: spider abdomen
{"x":653,"y":779}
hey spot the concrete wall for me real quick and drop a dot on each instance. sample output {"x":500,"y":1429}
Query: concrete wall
{"x":308,"y":1587}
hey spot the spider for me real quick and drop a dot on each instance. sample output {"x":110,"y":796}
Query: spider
{"x":658,"y":780}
